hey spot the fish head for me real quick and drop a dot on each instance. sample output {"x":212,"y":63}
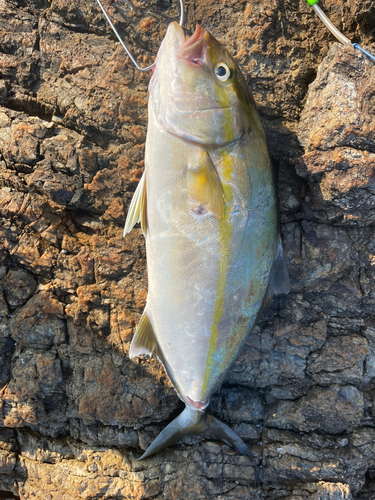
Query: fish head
{"x":198,"y":92}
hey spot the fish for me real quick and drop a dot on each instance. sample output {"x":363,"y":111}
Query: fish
{"x":207,"y":206}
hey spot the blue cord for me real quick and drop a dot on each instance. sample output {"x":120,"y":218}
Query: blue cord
{"x":367,"y":54}
{"x":340,"y":37}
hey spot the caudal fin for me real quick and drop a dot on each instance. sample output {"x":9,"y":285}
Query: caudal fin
{"x":192,"y":422}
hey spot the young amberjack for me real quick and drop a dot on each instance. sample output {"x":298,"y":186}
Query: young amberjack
{"x":208,"y":210}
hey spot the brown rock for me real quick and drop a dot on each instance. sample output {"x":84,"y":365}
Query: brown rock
{"x":18,"y":286}
{"x":332,"y":410}
{"x":337,"y":132}
{"x":29,"y":327}
{"x":332,"y":491}
{"x":315,"y":458}
{"x":341,"y":360}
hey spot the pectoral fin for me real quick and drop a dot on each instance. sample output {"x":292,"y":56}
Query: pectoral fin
{"x":137,"y":210}
{"x":279,"y":278}
{"x":144,"y":341}
{"x":204,"y":186}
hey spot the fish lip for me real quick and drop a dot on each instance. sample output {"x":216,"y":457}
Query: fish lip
{"x":195,"y":37}
{"x":193,"y":49}
{"x":175,"y":26}
{"x":189,"y":112}
{"x":199,"y":110}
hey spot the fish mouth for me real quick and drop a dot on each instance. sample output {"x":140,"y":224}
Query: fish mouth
{"x":194,"y":47}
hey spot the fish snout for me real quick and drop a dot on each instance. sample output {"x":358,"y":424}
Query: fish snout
{"x":174,"y":39}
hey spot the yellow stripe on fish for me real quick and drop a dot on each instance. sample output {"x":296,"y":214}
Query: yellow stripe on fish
{"x":225,"y":235}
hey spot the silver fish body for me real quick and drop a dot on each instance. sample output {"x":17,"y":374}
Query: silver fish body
{"x":208,"y":208}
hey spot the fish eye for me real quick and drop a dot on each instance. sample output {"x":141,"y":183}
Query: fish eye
{"x":222,"y":72}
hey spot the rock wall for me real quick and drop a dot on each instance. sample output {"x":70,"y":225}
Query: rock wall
{"x":73,"y":115}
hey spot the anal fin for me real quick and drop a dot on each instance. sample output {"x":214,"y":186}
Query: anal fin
{"x":144,"y":341}
{"x":279,"y":277}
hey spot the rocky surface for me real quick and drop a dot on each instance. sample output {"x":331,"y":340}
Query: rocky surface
{"x":73,"y":116}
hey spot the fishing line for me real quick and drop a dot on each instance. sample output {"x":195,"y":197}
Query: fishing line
{"x":181,"y":22}
{"x":340,"y":37}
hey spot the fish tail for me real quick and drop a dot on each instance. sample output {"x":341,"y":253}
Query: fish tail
{"x":218,"y":430}
{"x":193,"y":422}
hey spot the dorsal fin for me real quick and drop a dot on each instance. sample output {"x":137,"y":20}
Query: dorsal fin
{"x":279,"y":277}
{"x":137,"y":210}
{"x":204,"y":185}
{"x":144,"y":341}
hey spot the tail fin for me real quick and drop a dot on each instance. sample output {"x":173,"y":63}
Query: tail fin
{"x":193,"y":422}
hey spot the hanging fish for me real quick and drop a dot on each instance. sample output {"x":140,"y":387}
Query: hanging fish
{"x":208,"y":210}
